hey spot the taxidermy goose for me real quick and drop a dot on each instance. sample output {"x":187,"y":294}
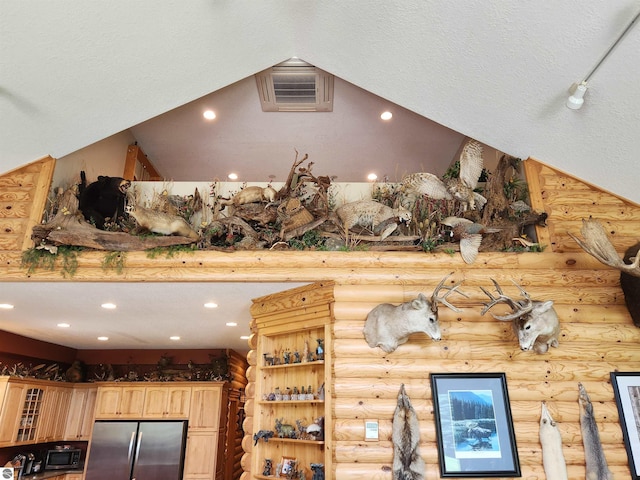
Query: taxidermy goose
{"x":469,"y":234}
{"x":460,"y":188}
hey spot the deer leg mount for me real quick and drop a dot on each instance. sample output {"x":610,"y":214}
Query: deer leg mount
{"x":407,"y":462}
{"x":555,"y":466}
{"x":388,"y":326}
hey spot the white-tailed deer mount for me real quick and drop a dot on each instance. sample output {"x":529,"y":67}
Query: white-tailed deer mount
{"x":388,"y":326}
{"x":534,"y":322}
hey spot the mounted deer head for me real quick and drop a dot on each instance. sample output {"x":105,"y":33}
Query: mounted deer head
{"x":534,"y":322}
{"x":388,"y":326}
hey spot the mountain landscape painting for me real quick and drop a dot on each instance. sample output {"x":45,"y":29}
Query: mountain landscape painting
{"x":474,"y":424}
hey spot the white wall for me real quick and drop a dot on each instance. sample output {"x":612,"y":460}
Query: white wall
{"x":105,"y":157}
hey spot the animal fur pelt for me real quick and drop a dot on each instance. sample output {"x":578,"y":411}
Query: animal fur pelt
{"x":407,"y":462}
{"x":555,"y":466}
{"x":596,"y":463}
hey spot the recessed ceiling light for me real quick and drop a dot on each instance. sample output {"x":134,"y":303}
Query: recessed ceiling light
{"x":210,"y":305}
{"x":372,"y":177}
{"x":386,"y":115}
{"x":103,"y":339}
{"x":244,"y":337}
{"x":232,"y":176}
{"x":6,"y":306}
{"x":174,"y":337}
{"x":231,"y":324}
{"x":209,"y":114}
{"x":63,"y":325}
{"x":108,"y":306}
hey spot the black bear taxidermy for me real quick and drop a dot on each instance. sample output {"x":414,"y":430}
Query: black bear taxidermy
{"x":631,"y":287}
{"x":103,"y":199}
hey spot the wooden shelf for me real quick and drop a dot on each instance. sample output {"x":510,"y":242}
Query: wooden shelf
{"x":296,"y":441}
{"x":288,"y":402}
{"x":293,"y":365}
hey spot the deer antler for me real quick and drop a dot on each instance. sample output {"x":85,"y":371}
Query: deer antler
{"x":518,"y":308}
{"x":597,"y":244}
{"x":435,"y":300}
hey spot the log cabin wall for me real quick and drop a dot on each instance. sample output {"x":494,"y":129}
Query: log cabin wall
{"x":23,"y":193}
{"x":567,"y":200}
{"x":597,"y":333}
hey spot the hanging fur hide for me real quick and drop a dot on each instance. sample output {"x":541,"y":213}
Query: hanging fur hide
{"x":407,"y":462}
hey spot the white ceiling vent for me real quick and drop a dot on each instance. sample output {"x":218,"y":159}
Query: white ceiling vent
{"x":295,"y":86}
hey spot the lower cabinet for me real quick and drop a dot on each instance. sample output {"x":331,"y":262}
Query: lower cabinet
{"x":69,"y":476}
{"x":200,"y":458}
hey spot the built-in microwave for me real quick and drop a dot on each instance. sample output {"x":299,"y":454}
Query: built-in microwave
{"x":62,"y":459}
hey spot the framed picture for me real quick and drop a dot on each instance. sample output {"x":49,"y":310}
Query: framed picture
{"x":626,"y":389}
{"x":288,"y":465}
{"x":473,"y":425}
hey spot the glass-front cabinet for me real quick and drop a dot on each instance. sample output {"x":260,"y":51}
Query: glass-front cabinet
{"x":31,"y":412}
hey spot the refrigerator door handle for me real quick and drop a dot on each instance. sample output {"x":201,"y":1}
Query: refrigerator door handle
{"x":133,"y":436}
{"x":138,"y":445}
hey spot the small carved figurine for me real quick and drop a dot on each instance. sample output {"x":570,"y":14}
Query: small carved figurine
{"x":267,"y":467}
{"x":318,"y":471}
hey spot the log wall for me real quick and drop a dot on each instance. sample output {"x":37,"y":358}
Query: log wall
{"x":567,"y":200}
{"x":597,"y":333}
{"x":23,"y":193}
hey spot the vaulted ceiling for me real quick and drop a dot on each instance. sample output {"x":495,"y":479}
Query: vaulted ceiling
{"x":496,"y":71}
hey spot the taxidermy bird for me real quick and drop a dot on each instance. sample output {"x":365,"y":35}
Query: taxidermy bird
{"x":460,"y":188}
{"x":469,"y":234}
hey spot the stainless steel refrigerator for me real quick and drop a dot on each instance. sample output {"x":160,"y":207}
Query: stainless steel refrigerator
{"x":146,"y":450}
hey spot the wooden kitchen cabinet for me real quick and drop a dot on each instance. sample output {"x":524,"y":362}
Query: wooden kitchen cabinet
{"x":206,"y":412}
{"x":70,"y":476}
{"x":81,"y":412}
{"x":168,"y":402}
{"x":32,"y":411}
{"x":12,"y":395}
{"x":200,"y":461}
{"x":55,"y":407}
{"x":119,"y":402}
{"x":205,"y":450}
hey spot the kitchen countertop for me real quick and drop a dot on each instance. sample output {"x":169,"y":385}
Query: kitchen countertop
{"x":49,"y":474}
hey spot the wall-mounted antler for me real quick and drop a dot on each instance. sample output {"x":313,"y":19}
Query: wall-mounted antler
{"x":597,"y":244}
{"x":534,"y":322}
{"x":436,"y":300}
{"x":519,"y":308}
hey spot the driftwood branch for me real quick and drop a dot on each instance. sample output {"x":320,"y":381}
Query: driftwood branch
{"x":91,"y":237}
{"x":68,"y":227}
{"x":291,"y":182}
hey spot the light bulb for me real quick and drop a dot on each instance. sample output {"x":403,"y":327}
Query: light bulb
{"x":575,"y":101}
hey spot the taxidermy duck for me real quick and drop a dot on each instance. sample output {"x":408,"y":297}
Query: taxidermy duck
{"x":461,"y":188}
{"x":469,"y":234}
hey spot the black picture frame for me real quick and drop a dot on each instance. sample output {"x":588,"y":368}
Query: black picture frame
{"x":474,"y":427}
{"x":626,"y":390}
